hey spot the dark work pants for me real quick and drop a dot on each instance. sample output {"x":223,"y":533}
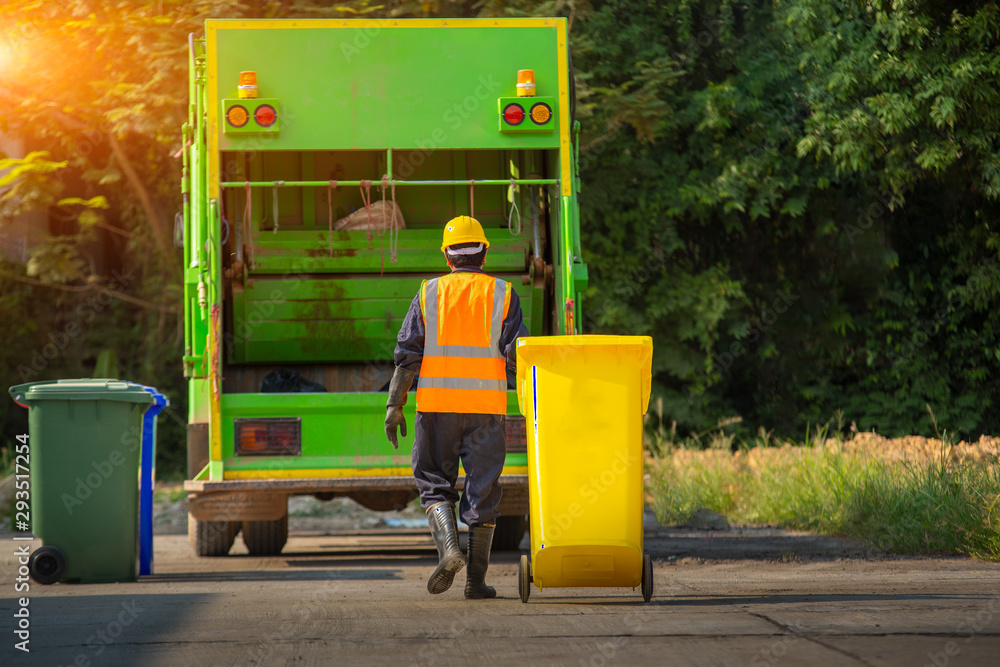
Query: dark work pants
{"x":480,"y":441}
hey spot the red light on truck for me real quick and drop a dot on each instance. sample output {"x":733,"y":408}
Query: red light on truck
{"x":265,"y":115}
{"x":268,"y":437}
{"x":513,"y":114}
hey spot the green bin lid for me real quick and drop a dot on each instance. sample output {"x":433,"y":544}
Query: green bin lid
{"x":86,"y":389}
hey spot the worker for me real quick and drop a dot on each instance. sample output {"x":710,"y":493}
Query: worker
{"x":459,"y":337}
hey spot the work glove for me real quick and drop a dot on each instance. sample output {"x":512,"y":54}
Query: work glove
{"x":393,"y":418}
{"x":398,"y":386}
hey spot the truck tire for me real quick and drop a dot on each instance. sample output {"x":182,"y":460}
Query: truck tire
{"x":265,"y":538}
{"x":509,"y":533}
{"x":212,"y":538}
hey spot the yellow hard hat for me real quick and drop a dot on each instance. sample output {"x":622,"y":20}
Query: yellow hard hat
{"x":463,"y":229}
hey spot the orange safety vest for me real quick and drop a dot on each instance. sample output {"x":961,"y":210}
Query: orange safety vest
{"x":463,"y":369}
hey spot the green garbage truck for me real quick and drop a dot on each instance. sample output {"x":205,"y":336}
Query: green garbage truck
{"x":321,"y":159}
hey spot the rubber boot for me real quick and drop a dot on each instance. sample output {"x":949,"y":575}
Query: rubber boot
{"x":441,"y":517}
{"x":480,"y":541}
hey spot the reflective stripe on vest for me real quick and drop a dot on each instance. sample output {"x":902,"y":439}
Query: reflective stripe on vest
{"x":463,"y":368}
{"x":464,"y":383}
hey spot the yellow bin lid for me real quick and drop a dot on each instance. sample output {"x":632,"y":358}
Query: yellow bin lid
{"x":581,"y":351}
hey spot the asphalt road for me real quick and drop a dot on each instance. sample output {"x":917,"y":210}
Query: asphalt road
{"x":722,"y":598}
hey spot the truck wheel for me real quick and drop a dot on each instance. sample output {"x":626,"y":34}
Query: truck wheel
{"x":47,"y":565}
{"x":265,"y":538}
{"x":211,"y":538}
{"x":509,"y":533}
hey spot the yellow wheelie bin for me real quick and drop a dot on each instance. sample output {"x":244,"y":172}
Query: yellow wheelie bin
{"x":583,"y":398}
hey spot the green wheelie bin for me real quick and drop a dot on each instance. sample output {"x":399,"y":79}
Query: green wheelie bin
{"x":86,"y":440}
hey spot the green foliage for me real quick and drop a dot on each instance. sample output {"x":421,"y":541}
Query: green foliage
{"x":27,"y":315}
{"x":26,"y":183}
{"x":798,"y":200}
{"x":903,"y":90}
{"x":818,"y":194}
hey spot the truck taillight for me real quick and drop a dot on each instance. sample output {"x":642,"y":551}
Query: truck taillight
{"x":541,"y":113}
{"x":513,"y":114}
{"x":237,"y":116}
{"x":251,"y":116}
{"x":265,"y":115}
{"x":281,"y":436}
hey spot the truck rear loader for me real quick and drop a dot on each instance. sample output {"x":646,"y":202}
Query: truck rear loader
{"x":321,"y":160}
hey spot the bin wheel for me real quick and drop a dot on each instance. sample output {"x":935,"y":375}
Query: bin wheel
{"x":47,"y":565}
{"x":212,"y":538}
{"x":524,"y":577}
{"x":265,"y":538}
{"x":647,"y":578}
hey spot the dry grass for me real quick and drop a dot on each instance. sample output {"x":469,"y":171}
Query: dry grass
{"x":905,"y":495}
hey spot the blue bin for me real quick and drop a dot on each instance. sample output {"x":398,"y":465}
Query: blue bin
{"x":147,"y":479}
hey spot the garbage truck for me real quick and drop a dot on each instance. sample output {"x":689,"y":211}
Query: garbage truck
{"x":321,"y":159}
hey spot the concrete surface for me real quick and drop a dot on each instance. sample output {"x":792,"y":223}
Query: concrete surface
{"x":752,"y":597}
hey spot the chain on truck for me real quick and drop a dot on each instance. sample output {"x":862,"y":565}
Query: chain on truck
{"x":321,"y":158}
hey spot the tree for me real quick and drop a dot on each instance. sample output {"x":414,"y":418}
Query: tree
{"x":797,"y":200}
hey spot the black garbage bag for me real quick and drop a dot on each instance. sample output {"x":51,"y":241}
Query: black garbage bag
{"x":287,"y":381}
